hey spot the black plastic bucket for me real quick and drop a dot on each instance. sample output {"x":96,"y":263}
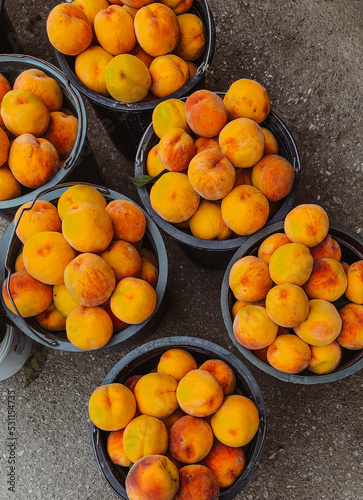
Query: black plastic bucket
{"x":351,"y":245}
{"x":144,"y":359}
{"x":9,"y":41}
{"x":11,"y":246}
{"x":126,"y":123}
{"x":81,"y":163}
{"x":213,"y":253}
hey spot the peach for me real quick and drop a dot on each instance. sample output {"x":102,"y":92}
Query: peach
{"x":33,"y":161}
{"x":128,"y":220}
{"x":193,"y":68}
{"x":173,"y":197}
{"x":203,"y":143}
{"x":226,"y":462}
{"x":211,"y":174}
{"x":327,"y":248}
{"x":90,"y":67}
{"x":116,"y":450}
{"x":31,"y":297}
{"x":43,"y":216}
{"x":354,"y":290}
{"x":197,"y":482}
{"x":63,"y":300}
{"x":327,"y":281}
{"x":270,"y":244}
{"x":249,"y":279}
{"x":247,"y":99}
{"x":271,"y":145}
{"x":287,"y":305}
{"x":43,"y":86}
{"x":132,"y":381}
{"x":114,"y":28}
{"x":4,"y":147}
{"x":291,"y":263}
{"x":157,"y":29}
{"x":89,"y":279}
{"x":149,"y":255}
{"x":262,"y":353}
{"x":145,"y":435}
{"x":91,"y":8}
{"x":207,"y":222}
{"x":253,"y":328}
{"x":351,"y":335}
{"x":68,"y":29}
{"x":192,"y":41}
{"x":176,"y":363}
{"x":77,"y":193}
{"x":19,"y":263}
{"x":325,"y":359}
{"x":222,"y":372}
{"x":274,"y":176}
{"x":111,"y":407}
{"x":199,"y":393}
{"x":123,"y":258}
{"x":206,"y":114}
{"x":176,"y":149}
{"x":243,"y":177}
{"x":5,"y":86}
{"x":155,"y":395}
{"x":118,"y":325}
{"x":9,"y":187}
{"x":322,"y":325}
{"x":236,"y":422}
{"x":307,"y":224}
{"x":127,"y":78}
{"x":190,"y":440}
{"x":24,"y":113}
{"x":133,"y":300}
{"x":62,"y":133}
{"x":140,"y":53}
{"x":245,"y":210}
{"x":345,"y":266}
{"x":46,"y":256}
{"x":179,"y":6}
{"x":171,"y":419}
{"x":152,"y":476}
{"x":168,"y":74}
{"x":149,"y":272}
{"x":289,"y":354}
{"x":51,"y":319}
{"x":134,"y":4}
{"x":153,"y":164}
{"x":169,"y":114}
{"x":240,"y":304}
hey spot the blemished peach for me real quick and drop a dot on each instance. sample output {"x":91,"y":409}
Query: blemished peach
{"x":90,"y":67}
{"x":245,"y":210}
{"x":249,"y":279}
{"x":351,"y":335}
{"x":253,"y":328}
{"x":115,"y":448}
{"x":91,"y":8}
{"x":127,"y":78}
{"x":46,"y":256}
{"x":145,"y":435}
{"x":149,"y":272}
{"x":242,"y":142}
{"x":327,"y":248}
{"x":51,"y":319}
{"x":287,"y":305}
{"x":222,"y":372}
{"x":322,"y":325}
{"x":4,"y":86}
{"x":198,"y":482}
{"x":154,"y":475}
{"x":289,"y":354}
{"x":140,"y":53}
{"x":211,"y":174}
{"x":354,"y":290}
{"x":133,"y":300}
{"x":206,"y":114}
{"x":168,"y":74}
{"x":325,"y":359}
{"x":68,"y":29}
{"x":171,"y":419}
{"x":89,"y":279}
{"x":173,"y":197}
{"x":155,"y":395}
{"x":153,"y":164}
{"x":247,"y":99}
{"x":128,"y":220}
{"x":43,"y":216}
{"x":169,"y":114}
{"x":176,"y":149}
{"x":240,"y":304}
{"x":149,"y":255}
{"x":63,"y":300}
{"x":43,"y":86}
{"x":62,"y":133}
{"x":176,"y":363}
{"x":307,"y":224}
{"x":192,"y":41}
{"x":327,"y":281}
{"x":157,"y":29}
{"x":203,"y":143}
{"x":226,"y":462}
{"x":270,"y":244}
{"x":123,"y":258}
{"x":243,"y":177}
{"x":19,"y":263}
{"x":31,"y":297}
{"x":178,"y":6}
{"x":114,"y":28}
{"x":33,"y":161}
{"x":111,"y":407}
{"x":291,"y":263}
{"x":87,"y":227}
{"x":271,"y":145}
{"x":190,"y":439}
{"x":274,"y":176}
{"x":4,"y":147}
{"x":236,"y":422}
{"x":24,"y":113}
{"x":207,"y":222}
{"x":77,"y":193}
{"x":199,"y":393}
{"x":9,"y":187}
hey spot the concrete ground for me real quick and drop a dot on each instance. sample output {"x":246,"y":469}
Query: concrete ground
{"x":307,"y":53}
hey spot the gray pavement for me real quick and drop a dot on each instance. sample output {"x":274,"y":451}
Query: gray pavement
{"x":308,"y":54}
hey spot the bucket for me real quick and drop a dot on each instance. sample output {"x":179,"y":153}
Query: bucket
{"x":144,"y":359}
{"x":81,"y":163}
{"x":15,"y":349}
{"x":9,"y":41}
{"x":125,"y":123}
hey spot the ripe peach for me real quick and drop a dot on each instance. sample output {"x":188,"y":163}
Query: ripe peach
{"x":253,"y":328}
{"x":247,"y":99}
{"x":345,"y":266}
{"x":91,"y":8}
{"x":249,"y":279}
{"x":114,"y":28}
{"x":115,"y":448}
{"x":63,"y":300}
{"x":123,"y":258}
{"x":327,"y":281}
{"x":240,"y":304}
{"x":111,"y":407}
{"x":127,"y":78}
{"x":149,"y":272}
{"x":291,"y":263}
{"x":155,"y":395}
{"x":206,"y":114}
{"x":226,"y":462}
{"x":153,"y":164}
{"x":243,"y":177}
{"x":128,"y":220}
{"x":43,"y":86}
{"x":140,"y":53}
{"x":62,"y":133}
{"x":118,"y":325}
{"x":193,"y":68}
{"x":322,"y":325}
{"x":203,"y":143}
{"x":149,"y":255}
{"x":169,"y":114}
{"x":134,"y":4}
{"x":287,"y":305}
{"x":168,"y":74}
{"x":197,"y":482}
{"x":325,"y":359}
{"x":271,"y":145}
{"x":132,"y":381}
{"x":145,"y":435}
{"x":354,"y":290}
{"x":9,"y":187}
{"x":133,"y":300}
{"x":176,"y":363}
{"x":4,"y":147}
{"x":207,"y":222}
{"x":307,"y":224}
{"x":192,"y":39}
{"x":351,"y":335}
{"x":171,"y":419}
{"x":90,"y":67}
{"x":179,"y":6}
{"x":327,"y":248}
{"x":190,"y":439}
{"x":270,"y":244}
{"x":51,"y":319}
{"x":176,"y":149}
{"x":43,"y":216}
{"x":222,"y":372}
{"x":89,"y":328}
{"x":289,"y":354}
{"x":274,"y":176}
{"x":19,"y":263}
{"x":236,"y":422}
{"x":4,"y":86}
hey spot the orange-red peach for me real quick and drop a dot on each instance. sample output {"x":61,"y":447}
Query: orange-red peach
{"x":351,"y":335}
{"x":133,"y":300}
{"x":89,"y":328}
{"x":123,"y":258}
{"x":4,"y":86}
{"x":325,"y":359}
{"x":179,"y":6}
{"x":354,"y":290}
{"x":322,"y":325}
{"x":197,"y":482}
{"x":274,"y":176}
{"x":128,"y":220}
{"x":287,"y":305}
{"x":240,"y":304}
{"x":271,"y":145}
{"x":43,"y":216}
{"x":4,"y":147}
{"x":327,"y":248}
{"x":51,"y":319}
{"x":226,"y":462}
{"x":289,"y":354}
{"x":43,"y":86}
{"x":140,"y":53}
{"x":307,"y":224}
{"x":176,"y":363}
{"x":190,"y":439}
{"x":114,"y":28}
{"x":291,"y":263}
{"x":176,"y":149}
{"x":253,"y":328}
{"x":222,"y":372}
{"x":115,"y":448}
{"x":155,"y":395}
{"x":243,"y":176}
{"x":62,"y":133}
{"x":247,"y":98}
{"x":327,"y":281}
{"x":30,"y":296}
{"x":9,"y":187}
{"x":249,"y":279}
{"x":206,"y":114}
{"x":168,"y":74}
{"x":270,"y":244}
{"x":203,"y":143}
{"x":91,"y":8}
{"x":148,"y":272}
{"x":192,"y":39}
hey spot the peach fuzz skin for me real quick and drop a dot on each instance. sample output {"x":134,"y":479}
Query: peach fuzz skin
{"x":43,"y":216}
{"x":43,"y":86}
{"x":197,"y":482}
{"x":274,"y":176}
{"x":133,"y":300}
{"x":190,"y":439}
{"x":253,"y":328}
{"x":289,"y":354}
{"x":249,"y":279}
{"x":90,"y":67}
{"x":322,"y":325}
{"x":327,"y":281}
{"x":155,"y":394}
{"x":206,"y":114}
{"x":325,"y":359}
{"x":145,"y":435}
{"x":247,"y":98}
{"x":176,"y":363}
{"x":287,"y":305}
{"x":226,"y":462}
{"x":307,"y":224}
{"x":351,"y":335}
{"x":89,"y":327}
